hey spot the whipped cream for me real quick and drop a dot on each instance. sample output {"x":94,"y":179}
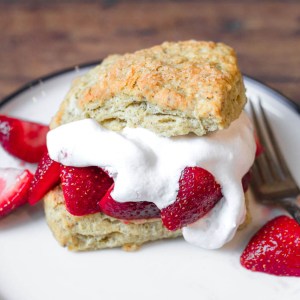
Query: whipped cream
{"x":147,"y":167}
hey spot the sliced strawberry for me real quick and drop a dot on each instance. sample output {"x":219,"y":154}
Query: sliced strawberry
{"x":14,"y":186}
{"x":83,"y":188}
{"x":128,"y":210}
{"x":275,"y":248}
{"x":23,"y":139}
{"x":259,"y":147}
{"x":198,"y":194}
{"x":45,"y":178}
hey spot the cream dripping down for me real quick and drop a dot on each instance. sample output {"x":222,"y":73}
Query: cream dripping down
{"x":147,"y":167}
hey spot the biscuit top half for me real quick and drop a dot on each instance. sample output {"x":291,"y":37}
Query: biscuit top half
{"x":172,"y":89}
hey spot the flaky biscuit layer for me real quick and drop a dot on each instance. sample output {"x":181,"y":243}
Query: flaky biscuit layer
{"x":171,"y":89}
{"x":99,"y":231}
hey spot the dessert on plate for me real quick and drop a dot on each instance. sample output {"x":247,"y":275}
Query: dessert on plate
{"x":145,"y":146}
{"x":152,"y":145}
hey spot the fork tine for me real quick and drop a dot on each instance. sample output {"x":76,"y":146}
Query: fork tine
{"x":264,"y":167}
{"x":269,"y":152}
{"x":292,"y":208}
{"x":279,"y":157}
{"x":272,"y":182}
{"x":257,"y":178}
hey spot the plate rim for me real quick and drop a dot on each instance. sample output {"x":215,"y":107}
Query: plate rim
{"x":279,"y":96}
{"x":207,"y":287}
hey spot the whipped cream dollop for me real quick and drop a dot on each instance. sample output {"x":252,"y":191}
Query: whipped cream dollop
{"x":147,"y":167}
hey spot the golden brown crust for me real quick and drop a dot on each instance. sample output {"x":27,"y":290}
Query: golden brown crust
{"x":196,"y":81}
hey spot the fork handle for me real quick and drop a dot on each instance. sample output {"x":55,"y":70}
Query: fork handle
{"x":289,"y":204}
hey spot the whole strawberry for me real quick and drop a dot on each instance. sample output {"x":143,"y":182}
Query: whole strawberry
{"x":275,"y":248}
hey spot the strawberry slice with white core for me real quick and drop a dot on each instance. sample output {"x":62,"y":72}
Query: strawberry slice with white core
{"x":14,"y":186}
{"x":23,"y":139}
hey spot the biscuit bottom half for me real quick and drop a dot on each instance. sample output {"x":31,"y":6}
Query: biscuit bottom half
{"x":99,"y":231}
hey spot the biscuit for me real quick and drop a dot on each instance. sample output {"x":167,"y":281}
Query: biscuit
{"x":172,"y":89}
{"x":98,"y":231}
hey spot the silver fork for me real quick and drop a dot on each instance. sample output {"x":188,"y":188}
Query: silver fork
{"x":272,"y":181}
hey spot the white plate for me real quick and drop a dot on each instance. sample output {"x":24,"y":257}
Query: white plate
{"x":34,"y":267}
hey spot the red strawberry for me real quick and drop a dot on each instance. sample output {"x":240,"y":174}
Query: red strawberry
{"x":259,"y":147}
{"x":275,"y":248}
{"x":45,"y":178}
{"x":83,"y":188}
{"x":23,"y":139}
{"x":128,"y":210}
{"x":198,"y":194}
{"x":14,"y":185}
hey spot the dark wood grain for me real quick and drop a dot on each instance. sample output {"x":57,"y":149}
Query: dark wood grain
{"x":38,"y":37}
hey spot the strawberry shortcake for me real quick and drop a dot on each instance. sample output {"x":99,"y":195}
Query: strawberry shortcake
{"x":150,"y":145}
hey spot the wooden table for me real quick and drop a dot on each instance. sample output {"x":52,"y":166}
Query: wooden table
{"x":38,"y":37}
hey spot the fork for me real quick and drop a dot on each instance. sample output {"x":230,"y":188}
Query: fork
{"x":272,"y":181}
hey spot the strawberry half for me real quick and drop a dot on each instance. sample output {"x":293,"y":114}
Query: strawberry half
{"x":14,"y":185}
{"x":198,"y":194}
{"x":23,"y":139}
{"x":275,"y":248}
{"x":83,"y":188}
{"x":45,"y":178}
{"x":128,"y":210}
